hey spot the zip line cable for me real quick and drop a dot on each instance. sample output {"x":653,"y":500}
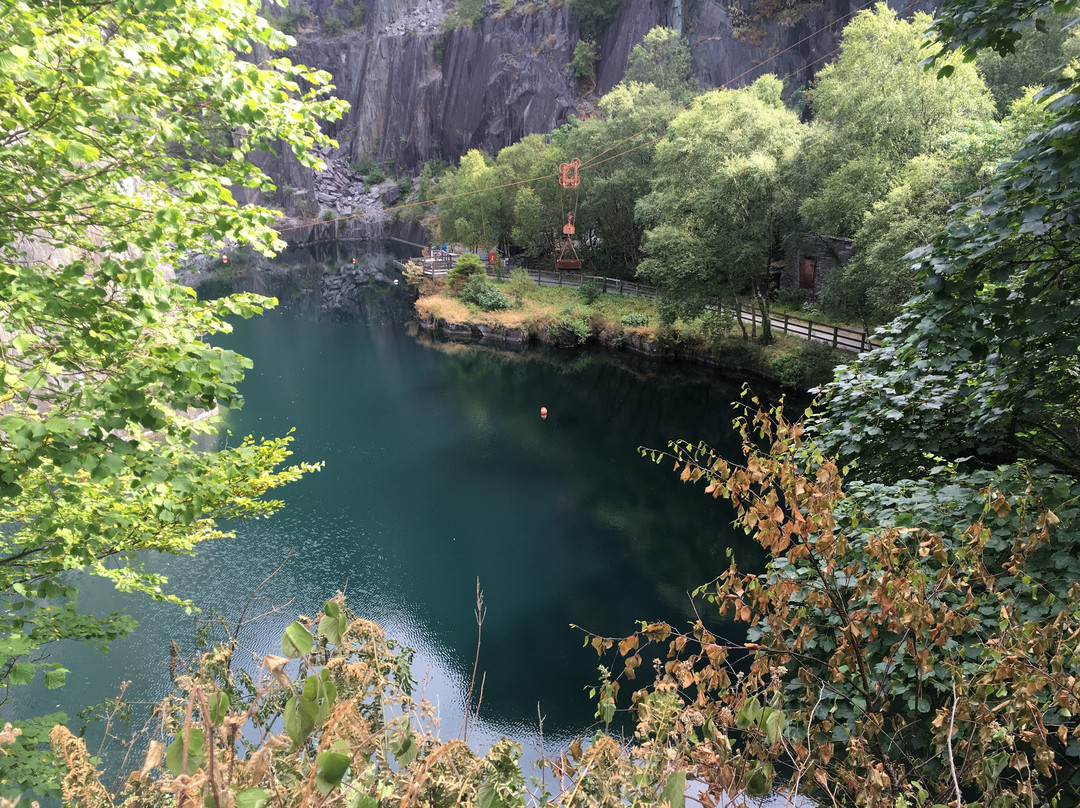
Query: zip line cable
{"x":594,"y":161}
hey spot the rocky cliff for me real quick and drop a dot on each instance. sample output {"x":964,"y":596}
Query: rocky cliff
{"x":418,"y":91}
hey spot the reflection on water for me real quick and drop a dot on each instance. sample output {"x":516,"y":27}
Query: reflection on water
{"x":439,"y":471}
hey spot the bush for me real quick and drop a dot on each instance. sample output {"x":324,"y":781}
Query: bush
{"x":811,"y":366}
{"x":568,"y":331}
{"x":789,"y":370}
{"x":789,"y":297}
{"x":590,"y":291}
{"x":332,"y":26}
{"x":634,"y":320}
{"x":375,"y":176}
{"x":363,"y":165}
{"x":356,"y":19}
{"x":467,"y":265}
{"x":484,"y":294}
{"x":584,"y":63}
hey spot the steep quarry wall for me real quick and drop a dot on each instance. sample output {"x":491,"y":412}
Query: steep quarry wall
{"x":419,"y":92}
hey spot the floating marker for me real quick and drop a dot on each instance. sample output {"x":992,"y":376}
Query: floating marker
{"x":543,"y":413}
{"x":224,"y":259}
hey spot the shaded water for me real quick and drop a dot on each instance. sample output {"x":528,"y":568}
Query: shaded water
{"x":439,"y":471}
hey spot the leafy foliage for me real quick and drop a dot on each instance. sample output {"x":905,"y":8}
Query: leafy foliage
{"x":594,"y":15}
{"x":906,"y":641}
{"x":107,"y":380}
{"x":584,"y":63}
{"x":663,"y":59}
{"x":483,"y":293}
{"x":467,"y":267}
{"x":983,"y":364}
{"x":875,"y":108}
{"x":719,"y":210}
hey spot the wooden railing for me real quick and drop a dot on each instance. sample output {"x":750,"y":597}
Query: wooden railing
{"x":845,"y":338}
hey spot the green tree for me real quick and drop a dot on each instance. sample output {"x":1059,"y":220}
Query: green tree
{"x":106,"y":180}
{"x":531,"y":212}
{"x":594,"y":15}
{"x":663,"y":58}
{"x":719,"y":185}
{"x":473,"y":217}
{"x":879,"y":278}
{"x":612,"y":183}
{"x":584,"y":64}
{"x":1048,"y":45}
{"x":875,"y":108}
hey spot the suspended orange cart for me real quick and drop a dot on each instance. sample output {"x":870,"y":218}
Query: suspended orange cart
{"x":569,"y":180}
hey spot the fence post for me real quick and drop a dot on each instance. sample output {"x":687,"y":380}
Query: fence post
{"x":809,"y":329}
{"x":835,"y":336}
{"x":786,"y":315}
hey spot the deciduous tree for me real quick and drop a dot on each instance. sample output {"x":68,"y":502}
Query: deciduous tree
{"x":107,"y":180}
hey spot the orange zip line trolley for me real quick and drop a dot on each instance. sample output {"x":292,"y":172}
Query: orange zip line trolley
{"x":570,"y":181}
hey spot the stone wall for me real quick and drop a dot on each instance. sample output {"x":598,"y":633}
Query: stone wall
{"x":826,"y":253}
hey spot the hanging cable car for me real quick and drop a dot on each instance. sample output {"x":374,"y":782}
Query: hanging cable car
{"x":570,"y":181}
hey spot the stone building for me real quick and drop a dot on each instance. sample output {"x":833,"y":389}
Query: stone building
{"x":809,"y":264}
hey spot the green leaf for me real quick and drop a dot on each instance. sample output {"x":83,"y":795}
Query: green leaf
{"x":749,"y":714}
{"x":607,"y":711}
{"x":299,"y":722}
{"x":332,"y":768}
{"x":332,"y":627}
{"x":674,"y":792}
{"x":404,"y":747}
{"x":218,"y":705}
{"x":252,"y":798}
{"x":364,"y":801}
{"x":487,"y":797}
{"x":772,"y":724}
{"x":174,"y":755}
{"x":296,"y":641}
{"x":22,"y":673}
{"x":55,"y":678}
{"x":758,"y":784}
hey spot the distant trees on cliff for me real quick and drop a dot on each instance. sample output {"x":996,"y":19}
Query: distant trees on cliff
{"x":889,"y":148}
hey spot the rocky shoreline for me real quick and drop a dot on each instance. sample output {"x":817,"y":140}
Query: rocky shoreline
{"x":631,"y":343}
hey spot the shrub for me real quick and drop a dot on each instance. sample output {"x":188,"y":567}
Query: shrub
{"x":356,"y":19}
{"x":811,"y":366}
{"x":789,"y":297}
{"x":568,"y":330}
{"x":634,"y":320}
{"x":332,"y":26}
{"x":363,"y":164}
{"x":789,"y":370}
{"x":484,"y":294}
{"x":584,"y":63}
{"x":590,"y":291}
{"x":375,"y":176}
{"x":467,"y":265}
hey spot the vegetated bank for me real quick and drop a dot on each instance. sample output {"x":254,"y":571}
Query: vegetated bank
{"x":518,"y":310}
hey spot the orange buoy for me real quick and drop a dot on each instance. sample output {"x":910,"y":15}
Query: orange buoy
{"x":224,"y":259}
{"x":543,"y":413}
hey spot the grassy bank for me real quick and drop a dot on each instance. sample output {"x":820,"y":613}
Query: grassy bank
{"x":569,"y":317}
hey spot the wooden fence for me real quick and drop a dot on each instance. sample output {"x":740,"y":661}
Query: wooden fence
{"x":843,"y":337}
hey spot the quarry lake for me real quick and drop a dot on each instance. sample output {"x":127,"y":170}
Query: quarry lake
{"x":438,"y":472}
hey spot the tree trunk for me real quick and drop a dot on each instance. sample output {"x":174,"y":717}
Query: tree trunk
{"x":763,"y":307}
{"x":739,"y":319}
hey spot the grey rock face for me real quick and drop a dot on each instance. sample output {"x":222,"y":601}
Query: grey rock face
{"x":417,"y":92}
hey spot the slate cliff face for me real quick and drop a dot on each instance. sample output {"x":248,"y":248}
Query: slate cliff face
{"x":418,"y":93}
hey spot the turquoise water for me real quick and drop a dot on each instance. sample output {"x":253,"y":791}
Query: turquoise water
{"x":439,"y":471}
